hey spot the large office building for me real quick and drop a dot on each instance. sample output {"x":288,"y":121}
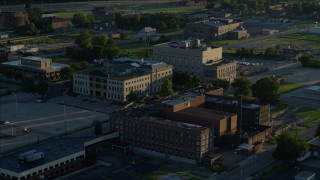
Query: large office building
{"x":193,"y":58}
{"x":51,"y":159}
{"x":39,"y":67}
{"x":174,"y":139}
{"x":216,"y":29}
{"x":117,"y":78}
{"x":253,"y":114}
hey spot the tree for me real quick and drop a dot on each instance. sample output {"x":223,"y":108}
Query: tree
{"x":290,"y":147}
{"x":166,"y":88}
{"x":27,"y":81}
{"x":97,"y":128}
{"x":42,"y":88}
{"x":66,"y":72}
{"x":266,"y":90}
{"x":31,"y":29}
{"x":318,"y":131}
{"x":196,"y":81}
{"x":221,"y":83}
{"x":241,"y":86}
{"x":82,"y":20}
{"x":132,"y":96}
{"x":188,"y":80}
{"x":84,"y":40}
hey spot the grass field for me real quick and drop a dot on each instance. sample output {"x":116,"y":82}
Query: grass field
{"x":301,"y":41}
{"x":312,"y":116}
{"x":173,"y":171}
{"x":279,"y":107}
{"x":288,"y":86}
{"x":291,"y":131}
{"x":135,"y":49}
{"x":272,"y":169}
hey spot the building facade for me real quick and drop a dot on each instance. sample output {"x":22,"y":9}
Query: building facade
{"x":39,"y":67}
{"x":11,"y":20}
{"x":213,"y":29}
{"x":118,"y":78}
{"x":253,"y":114}
{"x":193,"y":58}
{"x":162,"y":135}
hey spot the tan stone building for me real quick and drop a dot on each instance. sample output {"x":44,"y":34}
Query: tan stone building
{"x":193,"y":58}
{"x":213,"y":29}
{"x":39,"y":67}
{"x":121,"y":76}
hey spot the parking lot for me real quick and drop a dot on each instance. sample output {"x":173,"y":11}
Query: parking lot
{"x":28,"y":121}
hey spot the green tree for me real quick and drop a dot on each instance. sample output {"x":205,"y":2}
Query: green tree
{"x":188,"y":80}
{"x":84,"y":40}
{"x":98,"y":128}
{"x":132,"y":96}
{"x":242,"y":86}
{"x":266,"y":90}
{"x":42,"y":88}
{"x":27,"y":81}
{"x":221,"y":83}
{"x":82,"y":20}
{"x":166,"y":88}
{"x":66,"y":72}
{"x":31,"y":29}
{"x":196,"y":80}
{"x":290,"y":147}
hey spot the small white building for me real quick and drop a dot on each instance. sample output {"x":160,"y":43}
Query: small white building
{"x":4,"y":36}
{"x":147,"y":32}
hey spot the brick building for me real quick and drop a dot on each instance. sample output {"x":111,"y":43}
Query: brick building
{"x":214,"y":29}
{"x":12,"y":20}
{"x":253,"y":114}
{"x":175,"y":139}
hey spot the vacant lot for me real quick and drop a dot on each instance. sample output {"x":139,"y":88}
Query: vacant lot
{"x":312,"y":116}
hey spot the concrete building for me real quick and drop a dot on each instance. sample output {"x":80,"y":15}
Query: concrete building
{"x":193,"y":58}
{"x":213,"y":29}
{"x":39,"y":67}
{"x":59,"y":156}
{"x":146,"y":33}
{"x":11,"y":20}
{"x":253,"y":114}
{"x":173,"y":139}
{"x":121,"y":76}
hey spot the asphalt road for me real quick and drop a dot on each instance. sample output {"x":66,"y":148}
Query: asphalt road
{"x":86,"y":6}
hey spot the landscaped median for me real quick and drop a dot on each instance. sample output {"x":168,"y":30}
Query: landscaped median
{"x":289,"y":86}
{"x":279,"y":109}
{"x":311,"y":115}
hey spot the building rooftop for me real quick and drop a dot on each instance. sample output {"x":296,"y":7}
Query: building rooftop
{"x":205,"y":113}
{"x":232,"y":101}
{"x":315,"y":88}
{"x":52,"y":150}
{"x":52,"y":67}
{"x":35,"y":58}
{"x":305,"y":174}
{"x":126,"y":68}
{"x":187,"y":45}
{"x":315,"y":141}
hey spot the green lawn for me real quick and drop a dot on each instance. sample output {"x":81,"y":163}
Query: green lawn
{"x":279,"y":107}
{"x":272,"y":169}
{"x":312,"y":116}
{"x":40,"y":40}
{"x":302,"y":41}
{"x":288,"y":86}
{"x":291,"y":131}
{"x":135,"y":49}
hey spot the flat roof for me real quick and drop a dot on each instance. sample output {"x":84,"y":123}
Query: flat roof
{"x":53,"y":66}
{"x":315,"y":141}
{"x":35,"y":58}
{"x":52,"y":150}
{"x":305,"y":174}
{"x":205,"y":113}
